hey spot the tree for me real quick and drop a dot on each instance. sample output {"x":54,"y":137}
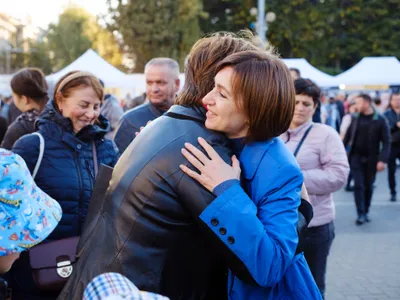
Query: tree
{"x":155,"y":28}
{"x":77,"y":31}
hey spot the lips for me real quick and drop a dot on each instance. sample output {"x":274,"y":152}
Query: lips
{"x":210,"y":114}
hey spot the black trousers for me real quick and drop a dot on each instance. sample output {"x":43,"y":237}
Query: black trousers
{"x":364,"y":171}
{"x":318,"y":243}
{"x":394,"y":154}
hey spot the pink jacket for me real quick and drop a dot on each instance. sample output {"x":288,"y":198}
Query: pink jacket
{"x":325,"y":167}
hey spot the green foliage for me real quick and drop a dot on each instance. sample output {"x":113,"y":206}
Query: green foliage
{"x":156,"y":28}
{"x":77,"y":31}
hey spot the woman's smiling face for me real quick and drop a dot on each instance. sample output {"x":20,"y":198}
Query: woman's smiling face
{"x":82,"y":107}
{"x":223,"y":114}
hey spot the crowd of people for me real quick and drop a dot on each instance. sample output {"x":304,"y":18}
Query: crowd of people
{"x":220,"y":189}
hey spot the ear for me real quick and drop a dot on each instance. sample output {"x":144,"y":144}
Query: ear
{"x":177,"y":84}
{"x":25,"y":100}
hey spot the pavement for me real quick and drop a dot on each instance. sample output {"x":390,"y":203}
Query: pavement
{"x":364,"y":262}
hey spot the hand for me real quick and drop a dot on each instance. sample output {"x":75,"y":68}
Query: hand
{"x":141,"y":128}
{"x":304,"y":193}
{"x":398,"y":124}
{"x":213,"y":171}
{"x":380,"y":166}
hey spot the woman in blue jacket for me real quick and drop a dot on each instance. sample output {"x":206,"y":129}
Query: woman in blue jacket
{"x":253,"y":103}
{"x":73,"y":130}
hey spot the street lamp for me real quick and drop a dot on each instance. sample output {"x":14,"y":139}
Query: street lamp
{"x":262,"y":19}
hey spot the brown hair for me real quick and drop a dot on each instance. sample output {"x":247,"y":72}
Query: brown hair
{"x":308,"y":88}
{"x":264,"y":90}
{"x":203,"y":58}
{"x":65,"y":87}
{"x":31,"y":83}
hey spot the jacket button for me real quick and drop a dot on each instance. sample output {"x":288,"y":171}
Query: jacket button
{"x":222,"y":231}
{"x":214,"y":222}
{"x":231,"y":240}
{"x":79,"y":146}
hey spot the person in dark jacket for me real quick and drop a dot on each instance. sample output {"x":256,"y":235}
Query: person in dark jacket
{"x":29,"y":90}
{"x":13,"y":112}
{"x":393,"y":117}
{"x":150,"y":218}
{"x":73,"y":129}
{"x":368,"y":144}
{"x":162,"y":84}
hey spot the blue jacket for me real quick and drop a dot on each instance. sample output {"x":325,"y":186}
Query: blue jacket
{"x":260,"y":225}
{"x":67,"y":169}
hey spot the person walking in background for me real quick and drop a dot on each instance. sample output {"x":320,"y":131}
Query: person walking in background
{"x":111,"y":109}
{"x":162,"y":84}
{"x":368,"y":144}
{"x":332,"y":112}
{"x":393,"y":117}
{"x":343,"y":129}
{"x":73,"y":131}
{"x":29,"y":90}
{"x":323,"y":161}
{"x":295,"y":73}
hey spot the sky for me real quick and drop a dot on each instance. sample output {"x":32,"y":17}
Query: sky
{"x":44,"y":12}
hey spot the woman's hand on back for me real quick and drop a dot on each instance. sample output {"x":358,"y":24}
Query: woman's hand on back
{"x":213,"y":170}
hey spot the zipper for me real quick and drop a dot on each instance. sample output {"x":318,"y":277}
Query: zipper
{"x":80,"y":191}
{"x":91,"y":175}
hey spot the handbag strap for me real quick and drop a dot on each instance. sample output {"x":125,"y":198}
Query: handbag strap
{"x":95,"y":163}
{"x":302,"y":140}
{"x":41,"y":152}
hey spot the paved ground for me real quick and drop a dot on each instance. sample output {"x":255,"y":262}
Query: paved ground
{"x":365,"y":260}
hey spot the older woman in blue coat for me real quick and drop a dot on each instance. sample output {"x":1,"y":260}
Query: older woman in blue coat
{"x":73,"y":131}
{"x":253,"y":103}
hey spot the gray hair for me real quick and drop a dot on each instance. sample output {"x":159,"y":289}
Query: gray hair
{"x":165,"y":61}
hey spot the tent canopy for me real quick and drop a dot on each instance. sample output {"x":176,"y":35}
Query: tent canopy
{"x":92,"y":62}
{"x":310,"y":72}
{"x":372,"y":71}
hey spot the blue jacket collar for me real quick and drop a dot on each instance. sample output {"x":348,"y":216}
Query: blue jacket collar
{"x":50,"y":116}
{"x":252,"y":155}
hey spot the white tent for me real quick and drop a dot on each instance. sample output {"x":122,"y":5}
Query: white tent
{"x":92,"y":62}
{"x":372,"y":71}
{"x":310,"y":72}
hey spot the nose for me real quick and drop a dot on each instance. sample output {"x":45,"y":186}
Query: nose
{"x":90,"y":113}
{"x":155,"y":88}
{"x":209,"y":99}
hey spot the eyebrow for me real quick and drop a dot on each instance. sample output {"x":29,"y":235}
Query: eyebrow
{"x":222,"y":87}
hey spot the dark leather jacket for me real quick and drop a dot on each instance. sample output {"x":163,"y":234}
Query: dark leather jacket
{"x":149,"y":229}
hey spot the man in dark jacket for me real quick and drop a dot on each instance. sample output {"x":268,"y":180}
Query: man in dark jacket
{"x":150,"y":228}
{"x":162,"y":84}
{"x":393,"y":117}
{"x":368,"y":142}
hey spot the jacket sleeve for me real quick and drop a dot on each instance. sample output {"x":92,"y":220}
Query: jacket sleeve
{"x":14,"y":132}
{"x":264,"y":237}
{"x":349,"y":132}
{"x":114,"y":114}
{"x":125,"y":134}
{"x":333,"y":170}
{"x":28,"y":148}
{"x":385,"y":140}
{"x":195,"y":198}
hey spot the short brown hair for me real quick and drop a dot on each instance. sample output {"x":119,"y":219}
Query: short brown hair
{"x":77,"y":83}
{"x":264,"y":90}
{"x":31,"y":83}
{"x":203,"y":58}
